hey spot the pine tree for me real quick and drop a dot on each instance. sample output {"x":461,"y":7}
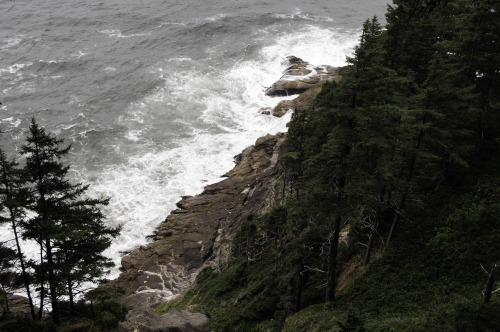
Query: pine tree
{"x":68,"y":228}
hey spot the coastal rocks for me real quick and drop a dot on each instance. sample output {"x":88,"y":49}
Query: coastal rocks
{"x":300,"y":76}
{"x":303,"y":101}
{"x":146,"y":320}
{"x":200,"y":231}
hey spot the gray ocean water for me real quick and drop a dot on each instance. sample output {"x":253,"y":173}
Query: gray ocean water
{"x":157,"y":96}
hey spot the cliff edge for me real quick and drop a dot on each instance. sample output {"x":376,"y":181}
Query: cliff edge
{"x":199,"y":232}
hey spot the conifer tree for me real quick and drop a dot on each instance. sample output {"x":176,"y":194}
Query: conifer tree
{"x":67,"y":226}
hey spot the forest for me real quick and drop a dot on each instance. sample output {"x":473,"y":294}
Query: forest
{"x":387,"y":211}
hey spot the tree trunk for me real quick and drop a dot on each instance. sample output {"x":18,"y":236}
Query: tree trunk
{"x":23,"y":267}
{"x":42,"y":283}
{"x":375,"y":227}
{"x":284,"y":188}
{"x":12,"y":212}
{"x":301,"y":282}
{"x":52,"y":284}
{"x":71,"y":298}
{"x":6,"y":310}
{"x":332,"y":261}
{"x":397,"y":216}
{"x":488,"y":287}
{"x":370,"y":244}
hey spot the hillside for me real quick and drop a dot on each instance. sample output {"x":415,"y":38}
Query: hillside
{"x":385,"y":215}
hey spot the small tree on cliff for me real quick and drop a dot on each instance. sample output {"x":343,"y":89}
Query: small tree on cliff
{"x":68,"y":228}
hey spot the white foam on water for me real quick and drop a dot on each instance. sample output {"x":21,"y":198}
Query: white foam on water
{"x":316,"y":45}
{"x":115,"y":33}
{"x":50,"y":62}
{"x":216,"y":18}
{"x":80,"y":54}
{"x":12,"y":122}
{"x":15,"y":68}
{"x":133,"y":135}
{"x":146,"y":185}
{"x":10,"y":42}
{"x":170,"y":23}
{"x":301,"y":16}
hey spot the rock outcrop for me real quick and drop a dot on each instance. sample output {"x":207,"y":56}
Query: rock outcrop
{"x":303,"y":101}
{"x":199,"y":232}
{"x":300,"y":76}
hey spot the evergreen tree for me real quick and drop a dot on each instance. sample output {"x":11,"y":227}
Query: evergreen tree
{"x":68,"y":228}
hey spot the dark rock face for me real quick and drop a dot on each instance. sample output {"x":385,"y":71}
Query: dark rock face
{"x":199,"y":232}
{"x":300,"y":76}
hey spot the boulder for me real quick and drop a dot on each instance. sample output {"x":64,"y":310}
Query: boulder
{"x":303,"y":101}
{"x":300,"y":76}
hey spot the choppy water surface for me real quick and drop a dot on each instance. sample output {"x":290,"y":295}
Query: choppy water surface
{"x":156,"y":97}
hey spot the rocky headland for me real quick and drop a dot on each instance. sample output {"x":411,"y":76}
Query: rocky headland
{"x":199,"y":232}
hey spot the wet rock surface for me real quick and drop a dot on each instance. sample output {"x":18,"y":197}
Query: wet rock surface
{"x":300,"y":76}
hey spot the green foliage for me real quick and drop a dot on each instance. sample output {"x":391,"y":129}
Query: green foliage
{"x":8,"y":280}
{"x":44,"y":206}
{"x":398,"y":162}
{"x":103,"y":306}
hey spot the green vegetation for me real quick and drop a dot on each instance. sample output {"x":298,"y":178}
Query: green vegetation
{"x":388,"y":217}
{"x":40,"y":204}
{"x":100,"y":311}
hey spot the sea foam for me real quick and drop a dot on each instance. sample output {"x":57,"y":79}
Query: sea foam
{"x":146,"y":186}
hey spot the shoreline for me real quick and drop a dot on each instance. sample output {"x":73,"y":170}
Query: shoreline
{"x":199,"y":232}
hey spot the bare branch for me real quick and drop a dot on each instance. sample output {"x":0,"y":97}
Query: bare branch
{"x":362,"y":244}
{"x":487,"y":273}
{"x":308,"y":268}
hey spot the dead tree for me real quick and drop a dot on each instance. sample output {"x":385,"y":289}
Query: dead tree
{"x":488,"y":287}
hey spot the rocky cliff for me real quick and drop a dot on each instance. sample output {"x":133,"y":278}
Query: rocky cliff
{"x":199,"y":232}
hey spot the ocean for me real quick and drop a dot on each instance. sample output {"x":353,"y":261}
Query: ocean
{"x":156,"y":97}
